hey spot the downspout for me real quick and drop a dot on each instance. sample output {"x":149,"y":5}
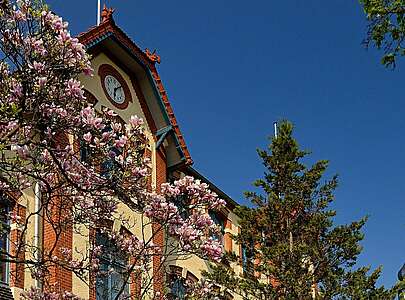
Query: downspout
{"x":37,"y":228}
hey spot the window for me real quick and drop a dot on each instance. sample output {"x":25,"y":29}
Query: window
{"x":110,"y":165}
{"x":191,"y":278}
{"x":84,"y":151}
{"x":219,"y":221}
{"x":4,"y":231}
{"x":178,"y":288}
{"x":112,"y":265}
{"x":244,"y":258}
{"x":181,"y":201}
{"x":89,"y":155}
{"x":177,"y":284}
{"x":182,"y":206}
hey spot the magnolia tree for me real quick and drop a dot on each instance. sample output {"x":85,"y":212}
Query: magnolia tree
{"x":84,"y":166}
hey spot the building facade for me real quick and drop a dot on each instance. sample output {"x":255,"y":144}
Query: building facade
{"x":116,"y":59}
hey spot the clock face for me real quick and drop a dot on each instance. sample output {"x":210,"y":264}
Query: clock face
{"x":114,"y":89}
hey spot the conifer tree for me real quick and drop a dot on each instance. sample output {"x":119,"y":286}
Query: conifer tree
{"x":291,"y":247}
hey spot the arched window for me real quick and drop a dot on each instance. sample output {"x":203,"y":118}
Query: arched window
{"x":109,"y":165}
{"x":177,"y":284}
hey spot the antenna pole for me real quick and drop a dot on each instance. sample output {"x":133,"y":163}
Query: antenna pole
{"x":275,"y":129}
{"x":98,"y":12}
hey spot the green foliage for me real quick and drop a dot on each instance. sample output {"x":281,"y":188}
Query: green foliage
{"x":386,"y":28}
{"x":290,"y":237}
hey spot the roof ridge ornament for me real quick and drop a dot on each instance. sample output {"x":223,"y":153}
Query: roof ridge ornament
{"x":107,"y":14}
{"x":153,"y":56}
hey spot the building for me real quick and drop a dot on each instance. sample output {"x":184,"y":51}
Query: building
{"x":116,"y":57}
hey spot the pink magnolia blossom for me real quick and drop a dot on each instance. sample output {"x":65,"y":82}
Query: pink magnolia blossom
{"x":42,"y":81}
{"x":121,"y":142}
{"x":38,"y":66}
{"x":42,"y":125}
{"x":135,"y":121}
{"x":22,"y":151}
{"x":74,"y":89}
{"x":87,"y":137}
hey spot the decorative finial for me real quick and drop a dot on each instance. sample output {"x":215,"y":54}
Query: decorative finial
{"x":152,"y":56}
{"x":107,"y":13}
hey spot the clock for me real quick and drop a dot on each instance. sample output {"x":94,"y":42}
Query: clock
{"x":114,"y":86}
{"x":114,"y":89}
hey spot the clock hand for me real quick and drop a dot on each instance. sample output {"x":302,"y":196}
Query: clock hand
{"x":116,"y":89}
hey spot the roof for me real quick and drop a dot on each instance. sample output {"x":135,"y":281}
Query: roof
{"x":108,"y":28}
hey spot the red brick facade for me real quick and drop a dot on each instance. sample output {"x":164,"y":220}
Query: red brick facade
{"x":158,"y":234}
{"x":56,"y":236}
{"x":60,"y":278}
{"x":16,"y":248}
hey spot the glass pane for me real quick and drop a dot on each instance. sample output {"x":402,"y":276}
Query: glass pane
{"x":219,"y":222}
{"x":180,"y":202}
{"x":102,"y":288}
{"x":244,"y":258}
{"x":112,"y":263}
{"x":178,"y":289}
{"x":117,"y":282}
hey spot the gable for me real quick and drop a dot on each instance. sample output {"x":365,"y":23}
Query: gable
{"x":94,"y":85}
{"x":108,"y":39}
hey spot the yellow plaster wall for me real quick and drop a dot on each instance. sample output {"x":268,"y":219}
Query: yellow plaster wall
{"x":94,"y":85}
{"x":80,"y":243}
{"x":28,"y":201}
{"x":134,"y":219}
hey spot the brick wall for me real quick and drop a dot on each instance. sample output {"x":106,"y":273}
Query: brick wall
{"x":136,"y":280}
{"x":56,"y":235}
{"x":54,"y":239}
{"x":158,"y":272}
{"x":17,"y":249}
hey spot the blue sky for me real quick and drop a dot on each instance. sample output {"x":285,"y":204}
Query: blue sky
{"x":231,"y":68}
